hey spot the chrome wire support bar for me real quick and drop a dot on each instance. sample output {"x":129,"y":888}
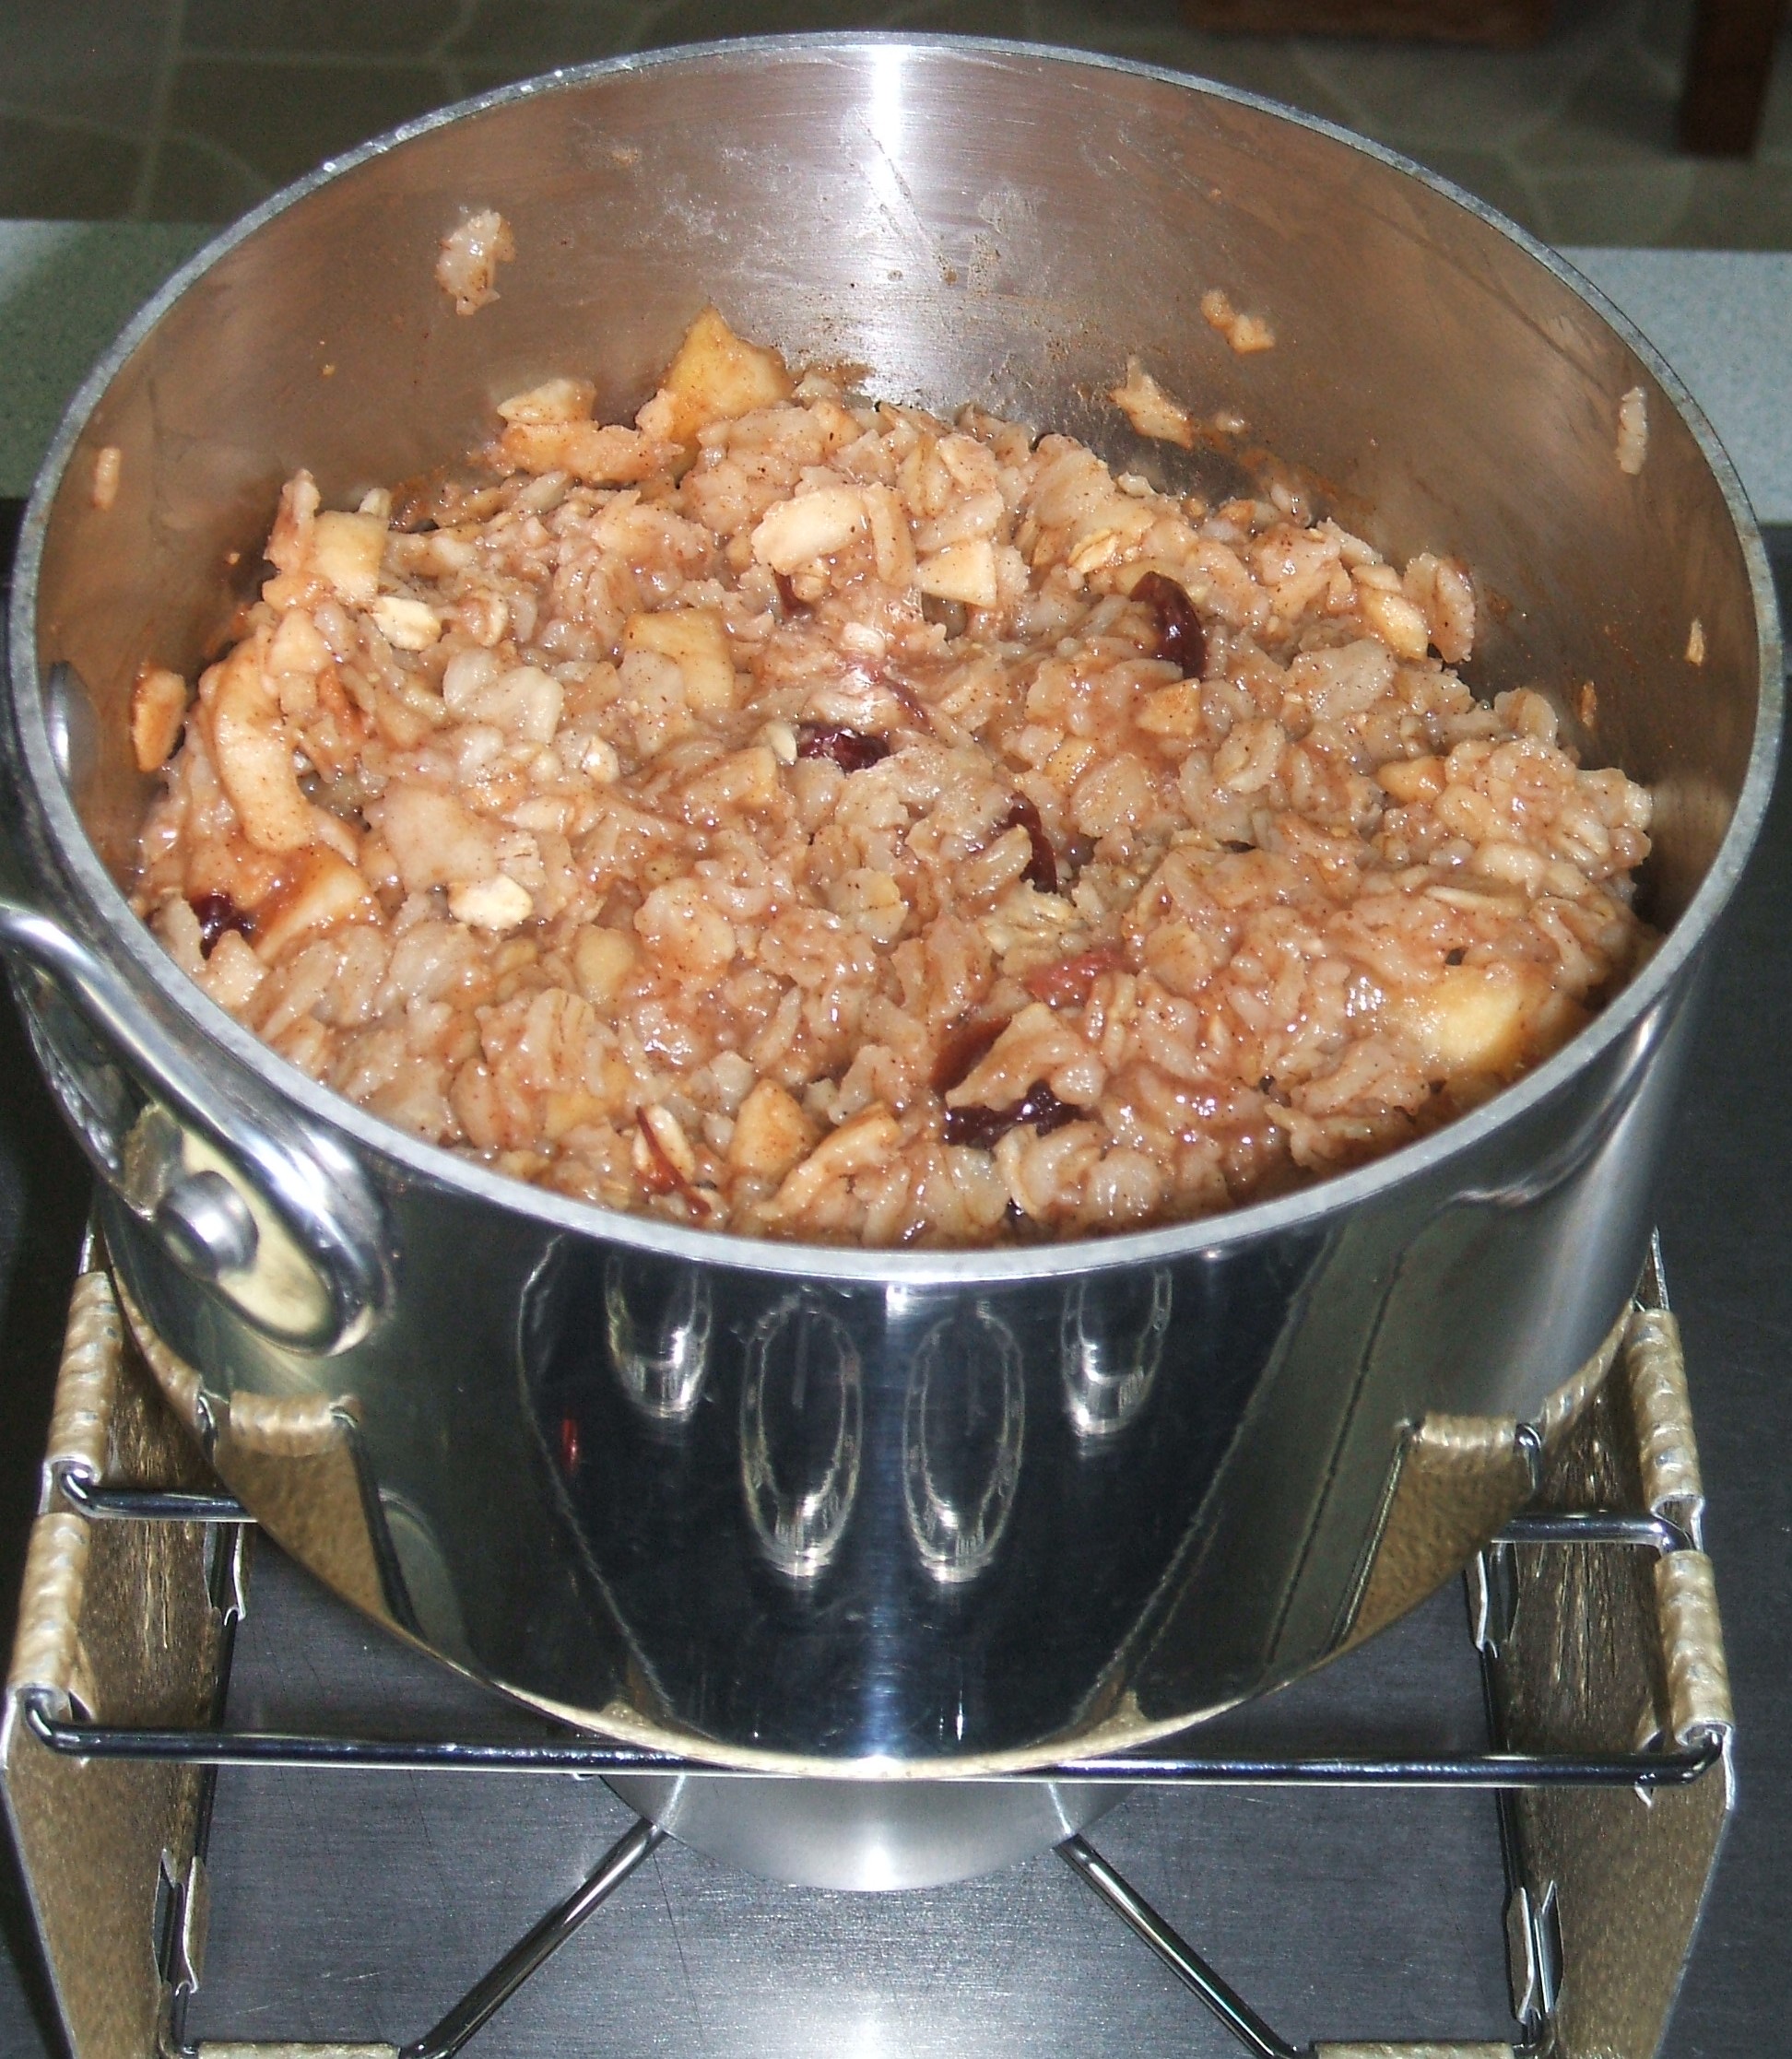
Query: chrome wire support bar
{"x":487,"y":1995}
{"x":1176,"y":1953}
{"x":101,"y":1503}
{"x":486,"y":1998}
{"x":1224,"y":2000}
{"x":1657,"y":1766}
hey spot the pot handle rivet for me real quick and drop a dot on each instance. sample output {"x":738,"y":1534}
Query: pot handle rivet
{"x":207,"y":1226}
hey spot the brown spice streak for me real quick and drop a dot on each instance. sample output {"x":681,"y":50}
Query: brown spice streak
{"x":1065,"y":981}
{"x":964,"y":1051}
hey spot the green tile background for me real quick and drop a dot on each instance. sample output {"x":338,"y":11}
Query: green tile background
{"x":194,"y":110}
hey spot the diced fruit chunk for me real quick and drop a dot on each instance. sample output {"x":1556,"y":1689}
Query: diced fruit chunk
{"x":405,"y":624}
{"x":963,"y":572}
{"x":434,"y":841}
{"x":555,"y":400}
{"x":1469,"y":1020}
{"x":771,"y":1133}
{"x":602,"y":962}
{"x":326,"y":890}
{"x":346,"y":549}
{"x":495,"y":904}
{"x":1406,"y":780}
{"x":812,"y":525}
{"x":599,"y":454}
{"x":716,"y":377}
{"x":1150,"y":410}
{"x":252,"y":753}
{"x":1394,"y":619}
{"x":159,"y":703}
{"x":696,"y":642}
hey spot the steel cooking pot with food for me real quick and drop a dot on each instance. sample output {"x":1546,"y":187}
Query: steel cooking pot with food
{"x":871,"y":1513}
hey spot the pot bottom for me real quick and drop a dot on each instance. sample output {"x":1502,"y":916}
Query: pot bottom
{"x":866,"y":1836}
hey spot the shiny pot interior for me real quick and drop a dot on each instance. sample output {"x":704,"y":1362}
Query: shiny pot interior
{"x":1071,"y":1496}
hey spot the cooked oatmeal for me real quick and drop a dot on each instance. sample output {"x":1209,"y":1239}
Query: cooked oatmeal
{"x":807,"y":817}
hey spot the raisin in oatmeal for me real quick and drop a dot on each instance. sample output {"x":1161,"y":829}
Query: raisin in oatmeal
{"x":810,"y":819}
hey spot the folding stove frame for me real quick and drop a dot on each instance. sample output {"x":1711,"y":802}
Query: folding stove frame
{"x":1602,"y":1661}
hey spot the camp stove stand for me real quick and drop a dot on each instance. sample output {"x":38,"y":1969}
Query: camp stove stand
{"x":1609,"y":1753}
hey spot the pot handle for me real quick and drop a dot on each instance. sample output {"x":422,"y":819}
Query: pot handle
{"x":271,"y":1213}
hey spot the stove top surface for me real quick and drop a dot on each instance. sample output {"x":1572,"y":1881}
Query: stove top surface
{"x":363,"y":1904}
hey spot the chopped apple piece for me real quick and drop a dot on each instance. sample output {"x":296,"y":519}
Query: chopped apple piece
{"x":697,"y":643}
{"x":771,"y":1133}
{"x":252,"y":752}
{"x":1406,"y":780}
{"x":159,"y":704}
{"x":555,"y":400}
{"x":963,"y":572}
{"x":1173,"y":710}
{"x":496,"y":904}
{"x":434,"y":841}
{"x":297,"y":644}
{"x":599,"y":454}
{"x":1150,"y":410}
{"x":346,"y":549}
{"x":602,"y":960}
{"x":716,"y":377}
{"x":809,"y":526}
{"x":1394,"y":619}
{"x":324,"y":892}
{"x":1470,"y":1019}
{"x":405,"y":624}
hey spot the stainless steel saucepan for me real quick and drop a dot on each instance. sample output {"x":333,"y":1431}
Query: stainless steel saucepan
{"x":879,"y":1517}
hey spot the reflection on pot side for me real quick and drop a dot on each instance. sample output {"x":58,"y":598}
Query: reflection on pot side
{"x":882,"y":1516}
{"x":964,"y":1415}
{"x":1110,"y":1354}
{"x":800,"y":1398}
{"x":657,"y":1319}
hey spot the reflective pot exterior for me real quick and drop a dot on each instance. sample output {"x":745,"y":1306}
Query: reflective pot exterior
{"x":839,"y":1521}
{"x":868,"y":1836}
{"x":884,"y":1514}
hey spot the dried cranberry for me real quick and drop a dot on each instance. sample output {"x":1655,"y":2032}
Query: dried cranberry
{"x":850,"y":749}
{"x":964,"y":1051}
{"x":218,"y":912}
{"x":1042,"y":867}
{"x":1182,"y":640}
{"x":983,"y":1128}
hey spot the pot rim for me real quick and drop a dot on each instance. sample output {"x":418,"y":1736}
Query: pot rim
{"x":49,"y":820}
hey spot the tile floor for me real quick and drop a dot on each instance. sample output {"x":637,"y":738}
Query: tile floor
{"x":194,"y":110}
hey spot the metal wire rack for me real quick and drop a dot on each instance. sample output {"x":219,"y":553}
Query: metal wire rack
{"x":1563,"y":1842}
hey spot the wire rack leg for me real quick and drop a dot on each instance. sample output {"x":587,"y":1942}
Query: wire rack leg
{"x":487,"y":1996}
{"x":1176,"y":1953}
